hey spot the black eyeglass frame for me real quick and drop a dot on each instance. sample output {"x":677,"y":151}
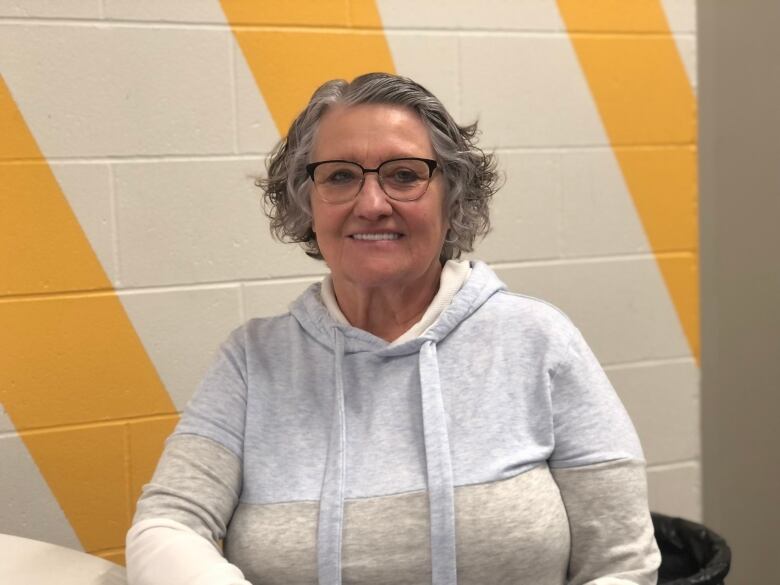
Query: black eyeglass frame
{"x":432,"y":166}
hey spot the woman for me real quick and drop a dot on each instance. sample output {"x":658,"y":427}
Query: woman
{"x":409,"y":420}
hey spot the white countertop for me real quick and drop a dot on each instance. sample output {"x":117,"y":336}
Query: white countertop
{"x":31,"y":562}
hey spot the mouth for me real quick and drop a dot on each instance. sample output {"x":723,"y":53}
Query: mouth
{"x":376,"y":236}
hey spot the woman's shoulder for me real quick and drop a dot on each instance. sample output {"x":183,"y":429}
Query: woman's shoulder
{"x":259,"y":330}
{"x":279,"y":323}
{"x":497,"y":302}
{"x":270,"y":323}
{"x":527,"y":311}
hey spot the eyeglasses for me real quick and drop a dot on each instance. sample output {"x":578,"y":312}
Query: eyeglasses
{"x":402,"y":179}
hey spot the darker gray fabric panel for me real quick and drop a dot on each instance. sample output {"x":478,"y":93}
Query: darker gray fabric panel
{"x":611,"y":530}
{"x":512,"y":531}
{"x":197,"y":483}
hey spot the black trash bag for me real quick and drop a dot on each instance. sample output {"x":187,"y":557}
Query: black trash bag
{"x":691,"y":554}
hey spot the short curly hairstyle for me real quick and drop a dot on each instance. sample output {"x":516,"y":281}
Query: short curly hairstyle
{"x":470,"y":173}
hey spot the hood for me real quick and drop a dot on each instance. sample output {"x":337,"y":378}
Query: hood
{"x":312,"y":315}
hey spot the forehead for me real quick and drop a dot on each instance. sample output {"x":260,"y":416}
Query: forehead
{"x":371,"y":133}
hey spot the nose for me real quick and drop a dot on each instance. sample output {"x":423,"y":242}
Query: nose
{"x":372,"y":202}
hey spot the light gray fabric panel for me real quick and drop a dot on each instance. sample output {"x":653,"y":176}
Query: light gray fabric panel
{"x":611,"y":529}
{"x":197,"y":482}
{"x":513,"y":531}
{"x":519,"y":386}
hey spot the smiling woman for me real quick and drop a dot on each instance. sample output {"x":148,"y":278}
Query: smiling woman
{"x":409,"y":421}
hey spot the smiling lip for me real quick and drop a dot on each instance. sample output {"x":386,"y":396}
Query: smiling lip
{"x":375,"y":237}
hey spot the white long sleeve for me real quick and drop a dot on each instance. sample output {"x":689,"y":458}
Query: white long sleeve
{"x":165,"y":551}
{"x":182,"y":518}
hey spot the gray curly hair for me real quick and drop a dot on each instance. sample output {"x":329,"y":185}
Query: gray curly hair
{"x":470,"y":173}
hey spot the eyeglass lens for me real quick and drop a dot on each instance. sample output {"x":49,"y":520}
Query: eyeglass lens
{"x":402,"y":179}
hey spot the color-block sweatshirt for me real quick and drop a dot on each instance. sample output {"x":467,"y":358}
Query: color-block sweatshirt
{"x":490,"y":449}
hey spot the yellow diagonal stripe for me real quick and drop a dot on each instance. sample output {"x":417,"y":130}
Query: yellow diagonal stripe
{"x":289,"y":63}
{"x":71,"y":367}
{"x":648,"y":109}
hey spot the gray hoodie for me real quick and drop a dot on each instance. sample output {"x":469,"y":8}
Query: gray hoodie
{"x":491,"y":449}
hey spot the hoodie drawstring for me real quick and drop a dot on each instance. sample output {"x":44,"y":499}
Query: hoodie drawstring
{"x":331,"y":517}
{"x":441,"y":494}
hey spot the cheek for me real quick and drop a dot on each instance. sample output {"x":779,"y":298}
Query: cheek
{"x":322,"y":218}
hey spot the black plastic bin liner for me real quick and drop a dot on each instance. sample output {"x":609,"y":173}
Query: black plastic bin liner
{"x":691,"y":554}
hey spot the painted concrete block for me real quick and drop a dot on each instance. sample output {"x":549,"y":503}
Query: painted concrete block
{"x":431,"y":60}
{"x":686,"y":45}
{"x":663,"y":402}
{"x":181,"y":330}
{"x":28,"y":508}
{"x":676,"y":490}
{"x":536,"y":15}
{"x":599,"y":216}
{"x":526,"y":212}
{"x":256,"y":131}
{"x":529,"y":15}
{"x":309,"y":13}
{"x":681,"y":15}
{"x":195,"y":222}
{"x":604,"y":17}
{"x":87,"y":188}
{"x":527,"y":91}
{"x":641,"y":87}
{"x":74,"y":359}
{"x":6,"y":426}
{"x":206,"y":11}
{"x":265,"y":299}
{"x":664,"y":193}
{"x":291,"y":63}
{"x":86,"y":469}
{"x":42,"y":245}
{"x":621,"y":305}
{"x":96,"y":90}
{"x":50,"y":8}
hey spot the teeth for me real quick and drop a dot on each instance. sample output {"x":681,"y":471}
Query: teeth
{"x":376,"y":236}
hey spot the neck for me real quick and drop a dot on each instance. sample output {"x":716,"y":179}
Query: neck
{"x":387,"y":311}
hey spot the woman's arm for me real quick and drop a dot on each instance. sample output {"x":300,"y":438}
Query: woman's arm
{"x":164,"y":551}
{"x":599,"y":467}
{"x":183,"y":513}
{"x":612,"y":541}
{"x":182,"y":517}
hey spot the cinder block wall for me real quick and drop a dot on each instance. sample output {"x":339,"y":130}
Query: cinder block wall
{"x":132,"y":242}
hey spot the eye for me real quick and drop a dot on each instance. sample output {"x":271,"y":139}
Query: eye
{"x":404,"y":176}
{"x":339,"y":176}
